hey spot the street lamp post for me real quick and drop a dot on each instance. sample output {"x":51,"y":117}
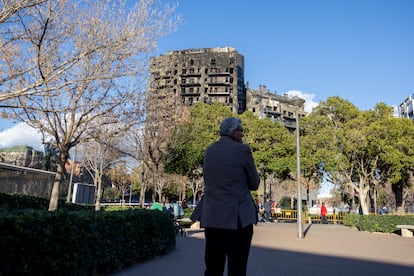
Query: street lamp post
{"x":299,"y":197}
{"x":71,"y":177}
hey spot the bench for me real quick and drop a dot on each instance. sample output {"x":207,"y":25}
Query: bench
{"x":406,"y":230}
{"x":195,"y":226}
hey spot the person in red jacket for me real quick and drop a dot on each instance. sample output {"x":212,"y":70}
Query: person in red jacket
{"x":324,"y":212}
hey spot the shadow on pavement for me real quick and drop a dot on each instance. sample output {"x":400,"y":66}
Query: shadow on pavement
{"x":187,"y":260}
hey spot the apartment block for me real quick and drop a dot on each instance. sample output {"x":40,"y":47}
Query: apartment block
{"x":211,"y":75}
{"x":281,"y":108}
{"x":200,"y":75}
{"x":405,"y":109}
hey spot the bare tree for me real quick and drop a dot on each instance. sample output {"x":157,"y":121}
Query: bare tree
{"x":98,"y":157}
{"x":73,"y":64}
{"x":196,"y":183}
{"x":164,"y":110}
{"x":121,"y":179}
{"x":9,"y":8}
{"x":10,"y":11}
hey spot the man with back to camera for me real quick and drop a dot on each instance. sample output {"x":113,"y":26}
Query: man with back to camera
{"x":227,"y":211}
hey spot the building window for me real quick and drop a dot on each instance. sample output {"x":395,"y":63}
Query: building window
{"x":191,"y":61}
{"x":213,"y":61}
{"x":231,"y":60}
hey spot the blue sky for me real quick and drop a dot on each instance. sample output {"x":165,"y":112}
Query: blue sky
{"x":359,"y":50}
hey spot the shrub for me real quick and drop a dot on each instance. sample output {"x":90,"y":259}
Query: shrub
{"x":11,"y":202}
{"x":87,"y":242}
{"x":378,"y":223}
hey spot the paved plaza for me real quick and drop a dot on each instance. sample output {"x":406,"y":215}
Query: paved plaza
{"x":277,"y":250}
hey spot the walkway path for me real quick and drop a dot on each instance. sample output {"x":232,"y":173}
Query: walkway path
{"x":276,"y":250}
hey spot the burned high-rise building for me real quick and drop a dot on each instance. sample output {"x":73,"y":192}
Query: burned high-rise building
{"x":208,"y":75}
{"x":205,"y":75}
{"x":280,"y":108}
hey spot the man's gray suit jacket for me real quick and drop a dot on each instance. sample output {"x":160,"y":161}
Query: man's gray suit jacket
{"x":229,"y":175}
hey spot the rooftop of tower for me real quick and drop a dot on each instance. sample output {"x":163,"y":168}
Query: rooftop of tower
{"x":203,"y":50}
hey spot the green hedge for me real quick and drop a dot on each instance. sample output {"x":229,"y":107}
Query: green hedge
{"x":38,"y":242}
{"x":10,"y":202}
{"x":378,"y":223}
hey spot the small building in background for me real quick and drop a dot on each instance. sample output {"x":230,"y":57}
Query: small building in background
{"x":405,"y":109}
{"x":24,"y":156}
{"x":27,"y":181}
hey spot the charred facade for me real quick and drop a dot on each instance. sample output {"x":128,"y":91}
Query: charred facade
{"x":211,"y":75}
{"x":205,"y":75}
{"x":281,"y":108}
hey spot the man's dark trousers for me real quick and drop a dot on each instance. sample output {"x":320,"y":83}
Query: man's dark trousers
{"x":235,"y":244}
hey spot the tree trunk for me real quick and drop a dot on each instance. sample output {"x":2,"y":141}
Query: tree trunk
{"x":398,"y":193}
{"x":54,"y":197}
{"x":98,"y":195}
{"x":363,"y":198}
{"x":142,"y":195}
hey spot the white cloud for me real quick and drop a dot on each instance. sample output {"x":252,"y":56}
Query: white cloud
{"x":395,"y":111}
{"x":309,"y":102}
{"x":21,"y":134}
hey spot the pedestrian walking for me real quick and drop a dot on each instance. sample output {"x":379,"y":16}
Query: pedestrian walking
{"x":324,"y":212}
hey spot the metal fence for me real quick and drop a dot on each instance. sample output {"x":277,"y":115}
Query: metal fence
{"x":286,"y":215}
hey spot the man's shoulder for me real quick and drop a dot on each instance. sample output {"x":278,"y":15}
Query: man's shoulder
{"x":230,"y":143}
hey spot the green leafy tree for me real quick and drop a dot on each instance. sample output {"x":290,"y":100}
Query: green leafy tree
{"x":273,"y":148}
{"x":359,"y":150}
{"x":190,"y":139}
{"x":394,"y":140}
{"x":316,"y":140}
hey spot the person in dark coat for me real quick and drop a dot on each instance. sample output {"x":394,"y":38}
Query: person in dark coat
{"x":228,"y":211}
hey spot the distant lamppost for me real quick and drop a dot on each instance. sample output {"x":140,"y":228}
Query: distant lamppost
{"x":299,"y":203}
{"x":298,"y":103}
{"x":72,"y":168}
